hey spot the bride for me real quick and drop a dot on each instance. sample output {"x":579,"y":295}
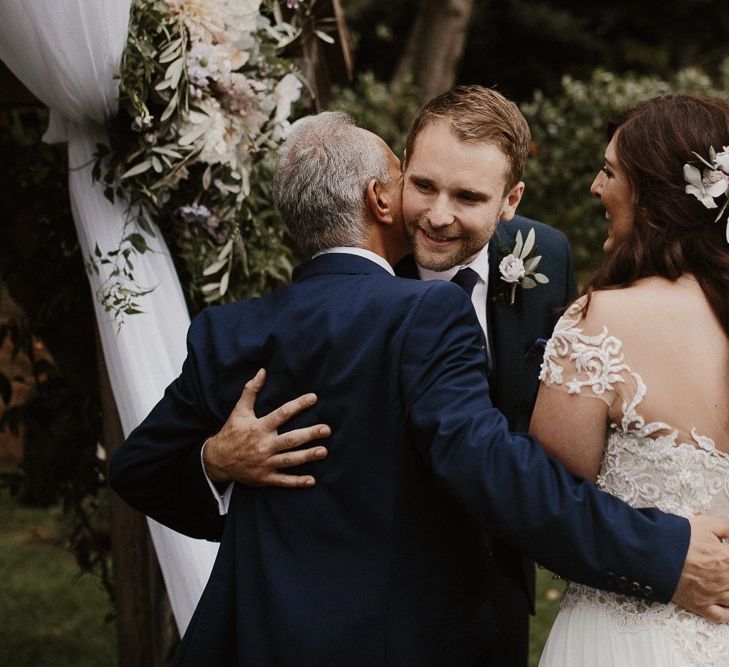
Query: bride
{"x":637,"y":371}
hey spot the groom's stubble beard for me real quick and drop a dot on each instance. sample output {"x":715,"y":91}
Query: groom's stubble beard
{"x":466,"y":244}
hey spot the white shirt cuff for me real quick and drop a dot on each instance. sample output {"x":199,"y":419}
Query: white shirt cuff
{"x":223,"y":499}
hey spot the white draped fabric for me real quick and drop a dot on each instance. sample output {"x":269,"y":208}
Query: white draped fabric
{"x":67,"y":52}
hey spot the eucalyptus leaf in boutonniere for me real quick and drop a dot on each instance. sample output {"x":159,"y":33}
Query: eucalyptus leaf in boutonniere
{"x":518,"y":268}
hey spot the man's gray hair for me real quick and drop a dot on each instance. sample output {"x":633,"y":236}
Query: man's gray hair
{"x":320,"y":181}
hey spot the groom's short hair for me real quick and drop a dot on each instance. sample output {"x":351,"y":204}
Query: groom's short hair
{"x":478,"y":114}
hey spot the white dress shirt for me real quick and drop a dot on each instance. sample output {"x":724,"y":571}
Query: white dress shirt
{"x":360,"y":252}
{"x":480,"y":264}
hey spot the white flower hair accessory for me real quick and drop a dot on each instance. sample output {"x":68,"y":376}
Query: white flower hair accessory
{"x":518,"y":268}
{"x":713,"y":183}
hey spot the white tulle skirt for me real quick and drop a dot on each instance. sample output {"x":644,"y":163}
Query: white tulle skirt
{"x":604,"y":630}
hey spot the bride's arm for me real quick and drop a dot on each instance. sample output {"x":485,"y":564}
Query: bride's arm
{"x":571,"y":428}
{"x":583,"y":366}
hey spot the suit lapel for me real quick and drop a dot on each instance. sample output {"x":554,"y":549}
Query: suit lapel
{"x":507,"y":330}
{"x":505,"y":324}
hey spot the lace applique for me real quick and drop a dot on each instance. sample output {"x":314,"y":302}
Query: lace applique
{"x":646,"y":466}
{"x":594,"y":361}
{"x":681,"y":478}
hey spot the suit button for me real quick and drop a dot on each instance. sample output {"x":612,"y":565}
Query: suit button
{"x":636,"y":588}
{"x":611,"y":578}
{"x":647,"y":591}
{"x":623,"y":583}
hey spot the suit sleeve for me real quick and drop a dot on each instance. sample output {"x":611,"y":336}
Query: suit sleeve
{"x":508,"y":482}
{"x":157,"y":470}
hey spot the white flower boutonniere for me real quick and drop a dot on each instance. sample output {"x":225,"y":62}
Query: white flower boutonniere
{"x":518,"y":268}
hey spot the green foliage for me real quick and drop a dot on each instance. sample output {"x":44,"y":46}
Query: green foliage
{"x":558,"y":37}
{"x":569,"y":135}
{"x":188,"y":146}
{"x":384,"y":109}
{"x":41,"y":264}
{"x":521,"y":45}
{"x":263,"y":258}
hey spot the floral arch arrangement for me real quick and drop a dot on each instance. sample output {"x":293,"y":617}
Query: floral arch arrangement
{"x":205,"y":98}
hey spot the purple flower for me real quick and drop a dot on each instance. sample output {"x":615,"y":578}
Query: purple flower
{"x":203,"y":216}
{"x":195,"y":213}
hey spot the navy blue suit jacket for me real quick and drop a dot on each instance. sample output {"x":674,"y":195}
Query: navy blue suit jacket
{"x":379,"y":564}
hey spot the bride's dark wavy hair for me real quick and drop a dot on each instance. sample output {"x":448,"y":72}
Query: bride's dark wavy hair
{"x":673,"y":232}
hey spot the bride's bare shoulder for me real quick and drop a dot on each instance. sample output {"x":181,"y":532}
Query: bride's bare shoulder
{"x":649,"y":295}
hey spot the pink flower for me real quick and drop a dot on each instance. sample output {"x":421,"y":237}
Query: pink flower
{"x":512,"y":269}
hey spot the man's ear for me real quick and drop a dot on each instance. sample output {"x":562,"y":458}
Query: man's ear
{"x":379,"y":203}
{"x":511,"y":201}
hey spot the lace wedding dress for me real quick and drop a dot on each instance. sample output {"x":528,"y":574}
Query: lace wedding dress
{"x":661,"y":464}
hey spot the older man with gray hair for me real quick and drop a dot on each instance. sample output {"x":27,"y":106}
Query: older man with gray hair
{"x":318,"y":183}
{"x":381,"y":562}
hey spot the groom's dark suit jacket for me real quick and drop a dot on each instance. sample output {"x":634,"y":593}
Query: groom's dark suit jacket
{"x":517,"y":333}
{"x":378,"y":564}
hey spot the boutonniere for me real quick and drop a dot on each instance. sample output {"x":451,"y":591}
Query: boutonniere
{"x":517,"y":268}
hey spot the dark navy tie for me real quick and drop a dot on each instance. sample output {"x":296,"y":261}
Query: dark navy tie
{"x":466,"y":279}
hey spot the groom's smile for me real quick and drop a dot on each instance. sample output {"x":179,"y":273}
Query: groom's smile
{"x":433,"y":236}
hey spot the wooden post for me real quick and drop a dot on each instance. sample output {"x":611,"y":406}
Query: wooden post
{"x":146,"y":633}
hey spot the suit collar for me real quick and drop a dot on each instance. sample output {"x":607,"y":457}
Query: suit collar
{"x":337,"y":263}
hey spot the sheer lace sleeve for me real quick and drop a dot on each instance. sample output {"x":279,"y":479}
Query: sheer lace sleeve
{"x":583,"y":358}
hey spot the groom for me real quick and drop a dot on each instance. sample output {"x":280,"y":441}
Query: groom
{"x":380,"y":563}
{"x":464,"y":163}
